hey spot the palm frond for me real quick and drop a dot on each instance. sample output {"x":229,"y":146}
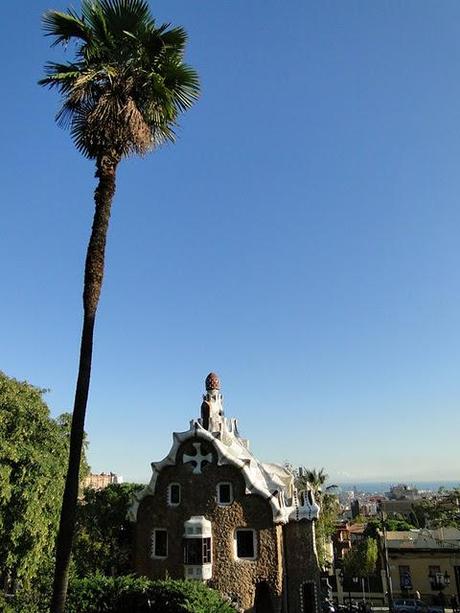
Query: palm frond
{"x":66,"y":114}
{"x":124,"y":9}
{"x":175,"y":38}
{"x":130,"y":16}
{"x":64,"y":26}
{"x":78,"y":132}
{"x":94,"y":17}
{"x":183,"y":81}
{"x":127,"y":85}
{"x":60,"y":75}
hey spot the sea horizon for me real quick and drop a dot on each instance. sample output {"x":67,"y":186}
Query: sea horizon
{"x":384,"y":486}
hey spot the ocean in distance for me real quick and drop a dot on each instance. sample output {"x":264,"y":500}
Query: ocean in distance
{"x":371,"y":487}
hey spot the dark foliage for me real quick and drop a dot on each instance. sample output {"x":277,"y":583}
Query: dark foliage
{"x":99,"y":594}
{"x":103,"y":537}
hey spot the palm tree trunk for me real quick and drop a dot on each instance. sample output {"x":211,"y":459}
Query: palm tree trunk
{"x":94,"y":272}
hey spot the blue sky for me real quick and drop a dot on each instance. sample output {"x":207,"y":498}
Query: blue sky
{"x":301,"y":239}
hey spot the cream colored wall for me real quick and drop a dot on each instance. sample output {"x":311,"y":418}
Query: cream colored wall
{"x":419,"y":563}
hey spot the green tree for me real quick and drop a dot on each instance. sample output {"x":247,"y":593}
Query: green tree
{"x":361,"y":560}
{"x":440,"y":511}
{"x":122,"y":95}
{"x":392,"y":524}
{"x":104,"y":535}
{"x":33,"y":452}
{"x":329,"y":503}
{"x":316,"y":478}
{"x":64,"y":421}
{"x":97,"y":593}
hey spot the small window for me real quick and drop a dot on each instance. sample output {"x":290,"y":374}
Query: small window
{"x":245,"y":544}
{"x":160,"y":543}
{"x":174,"y":494}
{"x":224,"y":493}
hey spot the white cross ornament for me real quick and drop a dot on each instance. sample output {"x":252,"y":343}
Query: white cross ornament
{"x":197,"y":458}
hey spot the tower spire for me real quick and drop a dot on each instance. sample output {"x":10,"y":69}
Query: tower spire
{"x":212,"y":411}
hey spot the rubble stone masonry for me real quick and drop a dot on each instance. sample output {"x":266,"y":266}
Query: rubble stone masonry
{"x":231,"y":576}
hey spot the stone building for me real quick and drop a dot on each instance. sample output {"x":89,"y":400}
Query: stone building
{"x":212,"y":512}
{"x":100,"y":481}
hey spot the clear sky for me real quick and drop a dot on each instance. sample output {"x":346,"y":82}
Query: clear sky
{"x":301,"y":239}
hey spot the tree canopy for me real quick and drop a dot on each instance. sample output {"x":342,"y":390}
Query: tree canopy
{"x":103,"y":536}
{"x":329,"y":507}
{"x":361,"y":560}
{"x":33,"y":457}
{"x":128,"y":83}
{"x":440,"y":511}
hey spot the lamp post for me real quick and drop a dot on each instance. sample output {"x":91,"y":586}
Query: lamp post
{"x":354,"y":579}
{"x":342,"y":581}
{"x":439,"y":582}
{"x":386,"y":563}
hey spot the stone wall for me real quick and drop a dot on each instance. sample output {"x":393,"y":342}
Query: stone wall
{"x":230,"y":576}
{"x":301,"y":566}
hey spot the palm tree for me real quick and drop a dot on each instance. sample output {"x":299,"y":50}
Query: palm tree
{"x":316,"y":478}
{"x":121,"y":95}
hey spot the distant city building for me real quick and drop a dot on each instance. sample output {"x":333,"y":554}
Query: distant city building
{"x":101,"y":480}
{"x":403,"y":492}
{"x":365,"y":505}
{"x":341,"y":541}
{"x":355,"y":508}
{"x":399,"y":508}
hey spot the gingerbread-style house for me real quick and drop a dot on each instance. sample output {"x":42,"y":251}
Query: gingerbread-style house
{"x":212,"y":512}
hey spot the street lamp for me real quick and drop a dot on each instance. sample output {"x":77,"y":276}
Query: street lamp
{"x":341,"y":579}
{"x":439,"y":582}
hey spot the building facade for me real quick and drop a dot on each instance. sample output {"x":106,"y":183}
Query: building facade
{"x":422,"y":561}
{"x":212,"y":512}
{"x":421,"y":564}
{"x":100,"y":481}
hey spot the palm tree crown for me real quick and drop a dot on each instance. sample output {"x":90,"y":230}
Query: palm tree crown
{"x":316,"y":478}
{"x":128,"y":83}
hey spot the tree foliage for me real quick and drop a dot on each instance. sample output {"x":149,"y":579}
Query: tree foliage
{"x":103,"y":537}
{"x":33,"y":455}
{"x":440,"y":511}
{"x":65,"y":422}
{"x":99,"y":594}
{"x":374,"y":524}
{"x":361,"y":560}
{"x":128,"y":83}
{"x":329,"y":507}
{"x":128,"y":594}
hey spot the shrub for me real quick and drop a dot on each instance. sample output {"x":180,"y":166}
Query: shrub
{"x":99,"y":594}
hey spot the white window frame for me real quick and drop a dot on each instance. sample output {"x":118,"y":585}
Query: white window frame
{"x":254,"y":541}
{"x":219,"y":502}
{"x":154,"y":538}
{"x":170,"y":503}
